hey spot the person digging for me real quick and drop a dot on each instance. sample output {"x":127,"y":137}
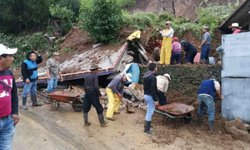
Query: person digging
{"x":114,"y":91}
{"x":206,"y":96}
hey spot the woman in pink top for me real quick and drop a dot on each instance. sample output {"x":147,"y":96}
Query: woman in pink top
{"x":176,"y":51}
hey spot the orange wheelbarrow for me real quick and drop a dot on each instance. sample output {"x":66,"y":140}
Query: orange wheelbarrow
{"x":70,"y":97}
{"x":175,"y":111}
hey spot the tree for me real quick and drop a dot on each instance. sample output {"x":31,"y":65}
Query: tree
{"x":102,"y":20}
{"x":20,"y":15}
{"x":16,"y":15}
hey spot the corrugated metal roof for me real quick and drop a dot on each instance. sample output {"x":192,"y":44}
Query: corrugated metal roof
{"x":108,"y":60}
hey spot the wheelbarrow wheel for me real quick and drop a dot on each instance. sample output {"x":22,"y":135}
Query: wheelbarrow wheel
{"x":77,"y":105}
{"x":188,"y":118}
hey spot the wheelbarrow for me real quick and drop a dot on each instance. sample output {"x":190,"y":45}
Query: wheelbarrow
{"x":70,"y":97}
{"x":176,"y":111}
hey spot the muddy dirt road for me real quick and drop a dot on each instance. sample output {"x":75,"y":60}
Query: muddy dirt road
{"x":63,"y":129}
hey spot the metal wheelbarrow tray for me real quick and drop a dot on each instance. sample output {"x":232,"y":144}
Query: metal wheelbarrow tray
{"x":70,"y":97}
{"x":176,"y":110}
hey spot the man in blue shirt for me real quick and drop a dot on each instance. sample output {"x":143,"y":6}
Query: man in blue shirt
{"x":205,"y":45}
{"x":206,"y":97}
{"x":30,"y":76}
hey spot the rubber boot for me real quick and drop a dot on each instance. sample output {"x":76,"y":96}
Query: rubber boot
{"x":24,"y":101}
{"x":211,"y":126}
{"x":101,"y":120}
{"x":147,"y":127}
{"x":34,"y":101}
{"x":199,"y":119}
{"x":86,"y":118}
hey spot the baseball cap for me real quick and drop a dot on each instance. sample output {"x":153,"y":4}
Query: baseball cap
{"x":5,"y":50}
{"x":167,"y":75}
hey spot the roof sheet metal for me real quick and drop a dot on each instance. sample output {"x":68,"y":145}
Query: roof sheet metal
{"x":236,"y":102}
{"x":108,"y":60}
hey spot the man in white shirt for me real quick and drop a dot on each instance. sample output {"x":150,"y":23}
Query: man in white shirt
{"x":162,"y":87}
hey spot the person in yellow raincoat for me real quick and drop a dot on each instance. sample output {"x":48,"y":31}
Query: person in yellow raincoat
{"x":166,"y":48}
{"x":133,"y":40}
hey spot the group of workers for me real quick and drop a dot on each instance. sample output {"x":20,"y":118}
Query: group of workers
{"x":171,"y":47}
{"x":30,"y":75}
{"x":155,"y":87}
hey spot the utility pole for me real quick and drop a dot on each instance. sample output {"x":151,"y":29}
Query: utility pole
{"x":173,"y":8}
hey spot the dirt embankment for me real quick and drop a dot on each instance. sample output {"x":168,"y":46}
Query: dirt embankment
{"x":185,"y":8}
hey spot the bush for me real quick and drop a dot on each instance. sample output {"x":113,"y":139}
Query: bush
{"x":16,"y":16}
{"x":24,"y":44}
{"x":126,"y":3}
{"x":102,"y":20}
{"x":213,"y":15}
{"x":72,"y":5}
{"x":210,"y":15}
{"x":64,"y":17}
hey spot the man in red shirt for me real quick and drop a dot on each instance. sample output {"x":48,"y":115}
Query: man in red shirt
{"x":235,"y":28}
{"x":8,"y":98}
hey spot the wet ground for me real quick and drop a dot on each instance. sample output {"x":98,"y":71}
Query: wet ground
{"x":62,"y":129}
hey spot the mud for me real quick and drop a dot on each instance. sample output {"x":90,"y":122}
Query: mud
{"x":63,"y":129}
{"x":238,"y":129}
{"x":76,"y":39}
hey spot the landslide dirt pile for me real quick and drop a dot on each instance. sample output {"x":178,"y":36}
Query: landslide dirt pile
{"x":238,"y":129}
{"x":185,"y":80}
{"x":76,"y":39}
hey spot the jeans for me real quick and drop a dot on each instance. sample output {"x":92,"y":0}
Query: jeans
{"x":7,"y":130}
{"x":52,"y":84}
{"x":150,"y":107}
{"x":206,"y":103}
{"x":205,"y":49}
{"x":29,"y":88}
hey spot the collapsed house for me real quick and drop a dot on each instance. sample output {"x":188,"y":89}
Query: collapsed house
{"x":109,"y":59}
